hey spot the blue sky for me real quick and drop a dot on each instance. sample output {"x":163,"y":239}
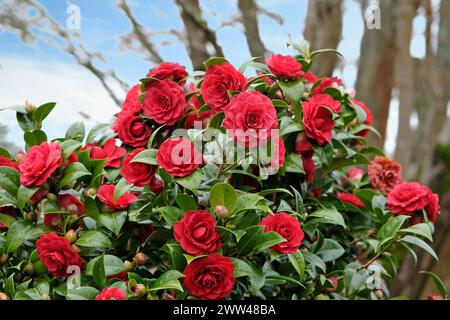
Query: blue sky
{"x":41,"y":73}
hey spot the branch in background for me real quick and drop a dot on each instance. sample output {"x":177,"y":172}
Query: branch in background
{"x":32,"y":22}
{"x":138,"y":34}
{"x":198,"y":34}
{"x":323,"y":29}
{"x":249,"y":19}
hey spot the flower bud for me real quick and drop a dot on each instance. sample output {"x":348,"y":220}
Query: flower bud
{"x":355,"y":175}
{"x":51,"y":196}
{"x":3,"y":296}
{"x":139,"y":290}
{"x":379,"y":294}
{"x":435,"y":296}
{"x":128,"y":266}
{"x":334,"y":281}
{"x":71,"y":235}
{"x":20,"y":156}
{"x":303,"y":249}
{"x":30,"y":216}
{"x":29,"y":107}
{"x":29,"y":268}
{"x":140,"y":259}
{"x":92,"y":191}
{"x":152,"y":297}
{"x":221,"y":211}
{"x":3,"y":259}
{"x":45,"y":296}
{"x":157,"y":184}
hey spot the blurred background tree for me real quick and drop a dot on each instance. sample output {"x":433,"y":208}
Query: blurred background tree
{"x":387,"y":75}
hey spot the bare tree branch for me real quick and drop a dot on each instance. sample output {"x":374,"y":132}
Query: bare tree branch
{"x":249,"y":18}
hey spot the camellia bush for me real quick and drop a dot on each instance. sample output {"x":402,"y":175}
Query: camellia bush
{"x":211,"y":185}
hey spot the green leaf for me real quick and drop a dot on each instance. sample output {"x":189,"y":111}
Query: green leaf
{"x":7,"y":220}
{"x":76,"y":132}
{"x":34,"y":137}
{"x":5,"y":153}
{"x":223,"y":194}
{"x":250,"y":240}
{"x":421,"y":229}
{"x":82,"y":293}
{"x":93,"y":239}
{"x":269,"y":239}
{"x":25,"y":121}
{"x":120,"y":189}
{"x":43,"y":111}
{"x":293,"y":164}
{"x":147,"y":156}
{"x":186,"y":202}
{"x":280,"y":103}
{"x":421,"y":244}
{"x":391,"y":227}
{"x":257,"y":279}
{"x":68,"y":147}
{"x":191,"y":182}
{"x":112,"y":265}
{"x":113,"y":221}
{"x":171,"y":214}
{"x":330,"y":250}
{"x":96,"y":130}
{"x":72,"y":172}
{"x":168,"y":280}
{"x":288,"y":126}
{"x":247,"y":63}
{"x":237,"y":233}
{"x":241,"y":268}
{"x":153,"y":136}
{"x":315,"y":260}
{"x":298,"y":262}
{"x":10,"y":288}
{"x":277,"y":190}
{"x":213,"y":61}
{"x":98,"y":272}
{"x":176,"y":253}
{"x":18,"y":233}
{"x":329,"y":216}
{"x":292,"y":89}
{"x":438,"y":283}
{"x":23,"y":195}
{"x":9,"y":180}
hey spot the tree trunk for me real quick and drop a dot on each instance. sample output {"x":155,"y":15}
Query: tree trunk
{"x":323,"y":29}
{"x":376,"y":68}
{"x":249,"y":17}
{"x":198,"y":33}
{"x":404,"y":75}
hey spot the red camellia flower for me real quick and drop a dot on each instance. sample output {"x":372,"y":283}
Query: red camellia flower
{"x":137,"y":173}
{"x":39,"y":164}
{"x":306,"y":151}
{"x":132,"y":104}
{"x":110,"y":151}
{"x":251,"y":117}
{"x":288,"y":227}
{"x":164,"y":102}
{"x":410,"y":198}
{"x":326,"y":101}
{"x":169,"y":70}
{"x":326,"y":82}
{"x":351,"y":199}
{"x":209,"y":278}
{"x":132,"y":129}
{"x":5,"y":162}
{"x":284,"y":67}
{"x":179,"y":157}
{"x":193,"y":116}
{"x":218,"y":81}
{"x":106,"y":195}
{"x":384,"y":174}
{"x":112,"y":293}
{"x":57,"y":254}
{"x":369,"y":118}
{"x":311,"y":78}
{"x":196,"y":233}
{"x":355,"y":174}
{"x":71,"y":204}
{"x":318,"y":122}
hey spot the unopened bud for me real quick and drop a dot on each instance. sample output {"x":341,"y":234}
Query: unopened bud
{"x":3,"y":258}
{"x":29,"y":107}
{"x":355,"y":174}
{"x":20,"y":156}
{"x":3,"y":296}
{"x":379,"y":294}
{"x":45,"y":296}
{"x":71,"y":235}
{"x":92,"y":191}
{"x":152,"y":297}
{"x":157,"y":184}
{"x":140,"y":259}
{"x":29,"y":268}
{"x":76,"y":248}
{"x":139,"y":290}
{"x":303,"y":249}
{"x":221,"y":211}
{"x":30,"y":216}
{"x":51,"y":196}
{"x":128,"y":266}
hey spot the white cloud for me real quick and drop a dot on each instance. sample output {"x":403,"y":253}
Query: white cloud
{"x":70,"y":86}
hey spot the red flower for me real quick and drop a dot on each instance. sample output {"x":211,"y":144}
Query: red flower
{"x":432,"y":207}
{"x":384,"y":174}
{"x":407,"y":198}
{"x":132,"y":129}
{"x":284,"y":67}
{"x":164,"y":102}
{"x":218,"y":81}
{"x":179,"y":157}
{"x":169,"y":70}
{"x":194,"y":106}
{"x":112,"y":293}
{"x":132,"y":104}
{"x":311,"y":78}
{"x":252,"y":117}
{"x":210,"y":278}
{"x":57,"y":254}
{"x":304,"y":148}
{"x":355,"y":174}
{"x":369,"y":118}
{"x":54,"y":220}
{"x":326,"y":101}
{"x":327,"y":83}
{"x":106,"y":195}
{"x":39,"y":164}
{"x":5,"y":162}
{"x":110,"y":151}
{"x":139,"y":174}
{"x":288,"y":227}
{"x":71,"y":205}
{"x":196,"y":233}
{"x":351,"y":199}
{"x":318,"y":122}
{"x":157,"y":184}
{"x":278,"y":154}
